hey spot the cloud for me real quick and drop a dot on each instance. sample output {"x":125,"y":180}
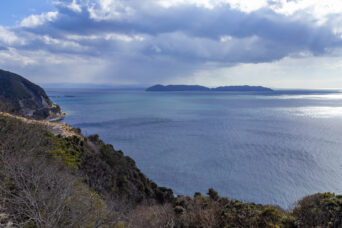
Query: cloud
{"x":74,"y":6}
{"x":144,"y":42}
{"x":8,"y":37}
{"x":37,"y":20}
{"x":310,"y":72}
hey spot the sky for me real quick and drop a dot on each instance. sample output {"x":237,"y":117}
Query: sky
{"x":274,"y":43}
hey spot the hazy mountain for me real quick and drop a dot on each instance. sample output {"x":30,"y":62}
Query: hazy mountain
{"x":177,"y":88}
{"x":244,"y":88}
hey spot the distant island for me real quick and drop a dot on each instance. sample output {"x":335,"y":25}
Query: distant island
{"x":175,"y":88}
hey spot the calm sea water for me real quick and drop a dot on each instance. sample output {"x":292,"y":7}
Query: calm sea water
{"x":271,"y":149}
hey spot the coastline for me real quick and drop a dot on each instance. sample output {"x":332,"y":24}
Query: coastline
{"x":54,"y":127}
{"x":57,"y":118}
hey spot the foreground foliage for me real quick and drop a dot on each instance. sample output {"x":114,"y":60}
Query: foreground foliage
{"x":55,"y":181}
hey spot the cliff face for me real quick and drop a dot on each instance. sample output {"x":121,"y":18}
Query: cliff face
{"x":22,"y":97}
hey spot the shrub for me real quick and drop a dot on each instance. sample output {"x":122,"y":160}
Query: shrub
{"x":321,"y":209}
{"x":213,"y":194}
{"x":269,"y":217}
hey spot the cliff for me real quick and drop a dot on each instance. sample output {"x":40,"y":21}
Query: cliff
{"x":21,"y":97}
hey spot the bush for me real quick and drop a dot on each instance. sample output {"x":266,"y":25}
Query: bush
{"x":269,"y":217}
{"x":321,"y":209}
{"x":213,"y":194}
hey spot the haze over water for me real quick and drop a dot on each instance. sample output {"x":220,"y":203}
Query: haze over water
{"x":271,"y":149}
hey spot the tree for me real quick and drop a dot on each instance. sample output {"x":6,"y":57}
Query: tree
{"x":213,"y":194}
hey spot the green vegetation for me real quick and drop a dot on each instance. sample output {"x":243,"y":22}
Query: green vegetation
{"x":37,"y":191}
{"x":79,"y":175}
{"x":319,"y":210}
{"x":56,"y":181}
{"x":110,"y":172}
{"x":68,"y":150}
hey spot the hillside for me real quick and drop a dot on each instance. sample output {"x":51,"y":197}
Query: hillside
{"x":98,"y":173}
{"x":63,"y":179}
{"x":175,"y":88}
{"x":22,"y":97}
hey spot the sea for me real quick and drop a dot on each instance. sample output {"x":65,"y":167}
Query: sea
{"x":270,"y":148}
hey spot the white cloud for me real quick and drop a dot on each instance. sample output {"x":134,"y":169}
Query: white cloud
{"x":110,"y":9}
{"x":248,"y":5}
{"x":74,"y":5}
{"x":245,"y":6}
{"x":123,"y":37}
{"x":200,"y":3}
{"x":13,"y":56}
{"x":8,"y":37}
{"x":36,"y":20}
{"x":225,"y":38}
{"x":107,"y":37}
{"x":316,"y":8}
{"x":302,"y":73}
{"x":61,"y":43}
{"x":42,"y":66}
